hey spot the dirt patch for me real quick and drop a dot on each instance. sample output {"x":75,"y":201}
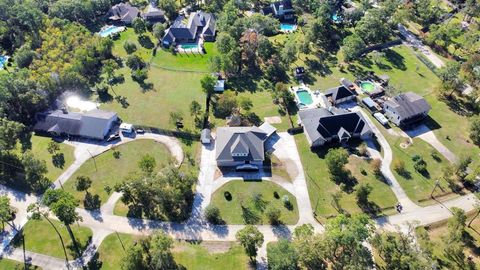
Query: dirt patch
{"x":273,"y":120}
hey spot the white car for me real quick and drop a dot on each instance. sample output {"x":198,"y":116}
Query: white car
{"x":381,"y":118}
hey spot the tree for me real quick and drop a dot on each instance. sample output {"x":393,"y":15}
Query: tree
{"x":289,"y":51}
{"x":362,"y":193}
{"x":134,"y":62}
{"x":310,"y":248}
{"x":352,"y":47}
{"x":158,"y":30}
{"x":265,"y":49}
{"x":212,"y":214}
{"x":63,"y":205}
{"x":400,"y":251}
{"x":147,"y":163}
{"x":129,"y":47}
{"x":251,"y":239}
{"x":245,"y":103}
{"x":24,"y":56}
{"x":225,"y":105}
{"x":377,"y":166}
{"x":399,"y":166}
{"x":53,"y":147}
{"x":225,"y":43}
{"x":176,"y":118}
{"x":477,"y":208}
{"x":449,"y":75}
{"x":83,"y":183}
{"x":344,"y":237}
{"x":10,"y":132}
{"x":108,"y":69}
{"x":475,"y":130}
{"x":170,"y":8}
{"x":282,"y":256}
{"x":6,"y":211}
{"x":208,"y":84}
{"x":35,"y":171}
{"x":373,"y":28}
{"x":195,"y":109}
{"x":139,"y":76}
{"x":139,"y":26}
{"x":336,"y":160}
{"x":273,"y":214}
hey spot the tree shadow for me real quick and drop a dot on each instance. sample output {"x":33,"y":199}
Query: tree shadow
{"x":95,"y":263}
{"x":396,"y":59}
{"x":370,"y":208}
{"x":146,"y":86}
{"x":123,"y":101}
{"x":249,"y":216}
{"x":145,"y":42}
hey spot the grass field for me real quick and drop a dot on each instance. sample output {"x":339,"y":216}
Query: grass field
{"x":129,"y":35}
{"x":241,"y":209}
{"x":40,"y":237}
{"x":321,"y":188}
{"x":39,"y":147}
{"x":438,"y":230}
{"x":191,"y":256}
{"x":185,"y":61}
{"x":111,"y":170}
{"x":8,"y":264}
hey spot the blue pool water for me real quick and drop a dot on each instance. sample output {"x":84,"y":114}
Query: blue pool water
{"x":188,"y":46}
{"x":110,"y":30}
{"x":336,"y":18}
{"x":287,"y":27}
{"x":304,"y":97}
{"x":3,"y":60}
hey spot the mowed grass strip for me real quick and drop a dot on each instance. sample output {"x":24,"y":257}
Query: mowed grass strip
{"x":241,"y":209}
{"x":189,"y":255}
{"x":105,"y":169}
{"x":321,"y":187}
{"x":8,"y":264}
{"x":41,"y":237}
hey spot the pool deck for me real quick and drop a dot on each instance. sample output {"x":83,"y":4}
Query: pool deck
{"x":198,"y":49}
{"x":316,"y":97}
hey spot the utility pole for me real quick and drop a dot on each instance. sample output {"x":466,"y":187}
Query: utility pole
{"x":436,"y":184}
{"x":94,"y":162}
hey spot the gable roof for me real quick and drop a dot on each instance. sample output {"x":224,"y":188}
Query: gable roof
{"x":238,"y":140}
{"x":321,"y":124}
{"x":188,"y":29}
{"x":338,"y":93}
{"x":123,"y":12}
{"x":152,"y":13}
{"x":90,"y":124}
{"x":408,"y":105}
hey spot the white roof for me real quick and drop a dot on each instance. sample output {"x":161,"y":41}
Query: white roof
{"x":126,"y":126}
{"x":267,"y":128}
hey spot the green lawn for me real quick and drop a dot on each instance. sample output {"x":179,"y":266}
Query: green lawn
{"x":191,"y":256}
{"x":129,"y":34}
{"x":321,"y":188}
{"x":39,"y":147}
{"x":111,"y":170}
{"x":185,"y":61}
{"x":242,"y":191}
{"x":8,"y":264}
{"x":40,"y":237}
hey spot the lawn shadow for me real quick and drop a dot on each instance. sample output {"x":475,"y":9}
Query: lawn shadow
{"x":396,"y":59}
{"x":431,"y":123}
{"x":282,"y":231}
{"x":145,"y":42}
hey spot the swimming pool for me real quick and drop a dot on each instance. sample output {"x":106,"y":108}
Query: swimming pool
{"x":110,"y":29}
{"x":304,"y":97}
{"x":287,"y":27}
{"x":189,"y":46}
{"x":3,"y":60}
{"x":336,"y":18}
{"x":367,"y":87}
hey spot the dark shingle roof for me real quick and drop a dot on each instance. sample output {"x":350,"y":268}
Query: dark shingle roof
{"x":321,"y":124}
{"x":231,"y":140}
{"x":91,"y":124}
{"x":338,"y":92}
{"x":182,"y":29}
{"x":124,"y":12}
{"x":408,"y":104}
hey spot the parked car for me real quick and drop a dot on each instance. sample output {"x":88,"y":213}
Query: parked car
{"x":113,"y":137}
{"x":381,"y":118}
{"x":139,"y":131}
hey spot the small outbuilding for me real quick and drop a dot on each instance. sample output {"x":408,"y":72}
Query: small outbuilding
{"x":299,"y":72}
{"x":219,"y":85}
{"x":125,"y":127}
{"x":206,"y":136}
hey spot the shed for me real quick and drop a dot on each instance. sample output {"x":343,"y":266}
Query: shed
{"x":371,"y":104}
{"x":125,"y":127}
{"x":219,"y":85}
{"x":206,"y":136}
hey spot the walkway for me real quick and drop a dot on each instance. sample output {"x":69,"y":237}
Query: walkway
{"x":424,"y":133}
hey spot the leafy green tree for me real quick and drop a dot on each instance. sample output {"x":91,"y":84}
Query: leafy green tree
{"x":320,"y":30}
{"x":352,"y":47}
{"x":195,"y":109}
{"x":212,"y":214}
{"x":282,"y":256}
{"x":245,"y":103}
{"x":53,"y":147}
{"x":225,"y":43}
{"x":139,"y":26}
{"x":265,"y":49}
{"x":289,"y":51}
{"x":35,"y":171}
{"x":158,"y":30}
{"x":170,"y":8}
{"x":208,"y":84}
{"x":83,"y":183}
{"x":176,"y":117}
{"x":10,"y":132}
{"x":425,"y":13}
{"x":139,"y":75}
{"x":251,"y":239}
{"x":147,"y":163}
{"x":63,"y":205}
{"x":362,"y":193}
{"x":373,"y":28}
{"x":225,"y":105}
{"x":134,"y":62}
{"x":129,"y":47}
{"x":336,"y":160}
{"x":273,"y":214}
{"x":6,"y":211}
{"x":24,"y":56}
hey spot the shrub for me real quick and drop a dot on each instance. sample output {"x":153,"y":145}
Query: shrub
{"x":416,"y":158}
{"x":376,"y":166}
{"x":273,"y":214}
{"x":286,"y":202}
{"x":116,"y":154}
{"x":276,"y":195}
{"x":129,"y":47}
{"x":362,"y":149}
{"x":420,"y":166}
{"x":212,"y":214}
{"x":227,"y":195}
{"x":399,"y":166}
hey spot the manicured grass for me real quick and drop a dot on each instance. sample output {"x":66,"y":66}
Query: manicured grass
{"x":111,"y":171}
{"x":39,"y":147}
{"x":129,"y":35}
{"x":185,"y":61}
{"x":40,"y":237}
{"x":321,"y":187}
{"x":8,"y":264}
{"x":172,"y":91}
{"x":191,"y":256}
{"x":438,"y":230}
{"x":241,"y":209}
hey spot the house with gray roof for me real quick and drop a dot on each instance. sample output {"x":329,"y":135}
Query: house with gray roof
{"x":406,"y":109}
{"x":339,"y":94}
{"x":282,"y":10}
{"x":189,"y":29}
{"x":153,"y":14}
{"x":123,"y":13}
{"x":240,"y":146}
{"x":94,"y":124}
{"x":321,"y":126}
